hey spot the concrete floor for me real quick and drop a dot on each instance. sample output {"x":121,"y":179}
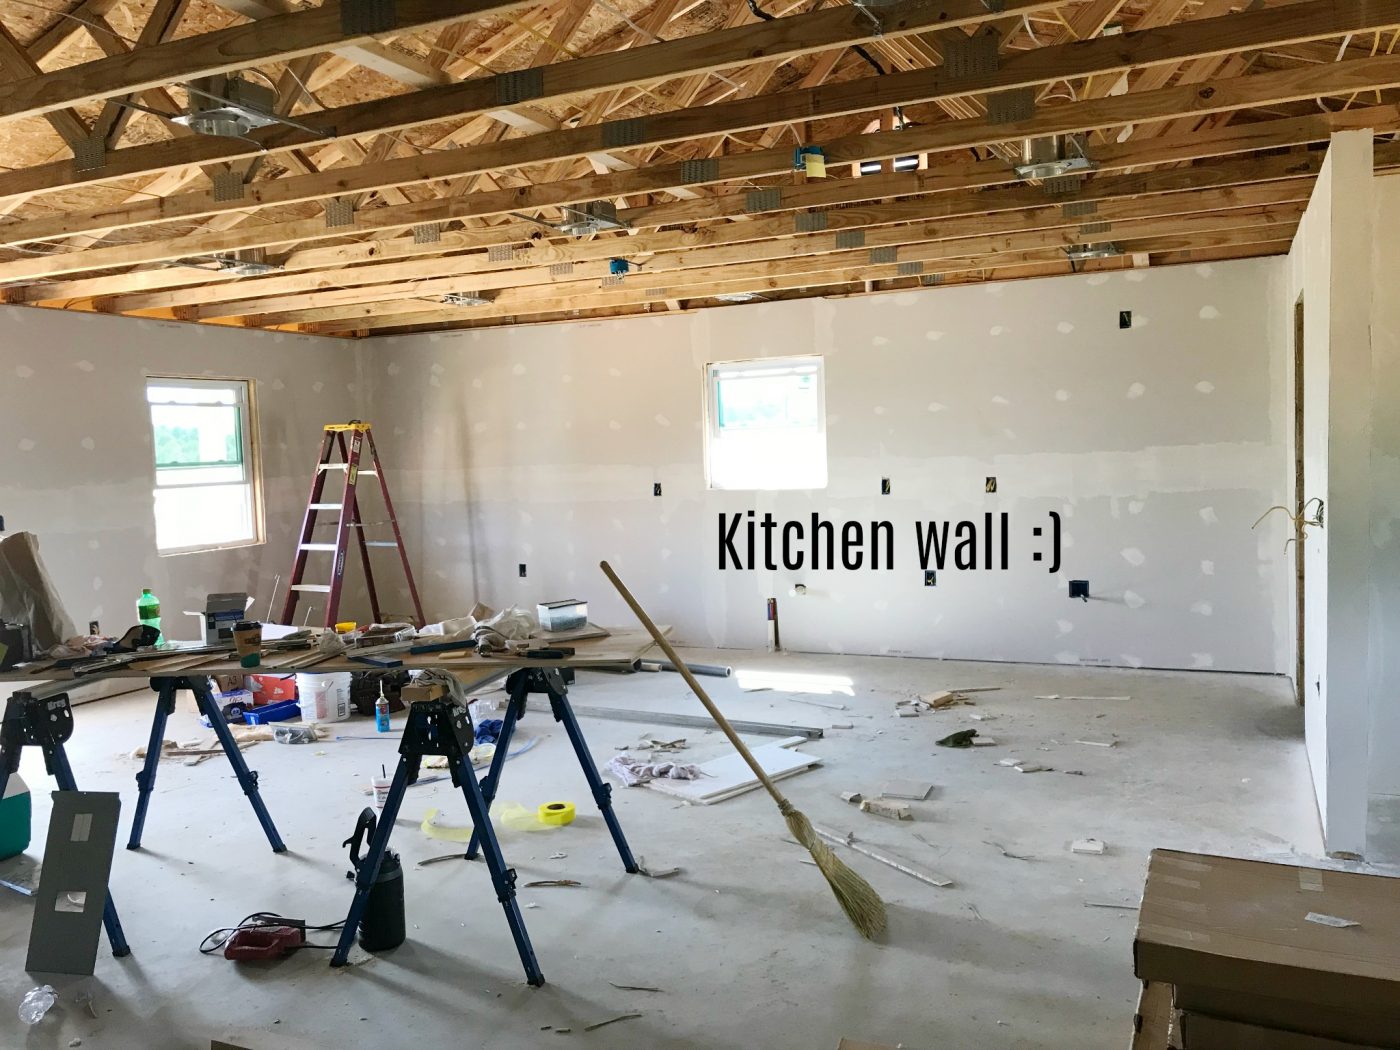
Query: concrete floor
{"x":747,"y":945}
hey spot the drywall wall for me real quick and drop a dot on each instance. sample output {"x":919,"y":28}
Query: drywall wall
{"x":1384,"y":575}
{"x":1159,"y":445}
{"x":1329,"y":258}
{"x":76,"y":464}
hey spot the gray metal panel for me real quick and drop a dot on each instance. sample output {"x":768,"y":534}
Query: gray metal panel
{"x":883,"y":256}
{"x":228,"y":185}
{"x":766,"y":199}
{"x":705,"y":170}
{"x":910,"y":269}
{"x":809,"y":221}
{"x":1007,"y":107}
{"x":90,"y":154}
{"x":846,"y":239}
{"x":562,"y":269}
{"x":1062,"y":184}
{"x":500,"y":253}
{"x":73,"y":884}
{"x":340,"y":212}
{"x":427,"y":233}
{"x":620,"y":133}
{"x":969,"y":56}
{"x":1096,"y":227}
{"x":1076,"y":209}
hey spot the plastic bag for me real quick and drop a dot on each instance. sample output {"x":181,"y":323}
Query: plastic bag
{"x":36,"y":1003}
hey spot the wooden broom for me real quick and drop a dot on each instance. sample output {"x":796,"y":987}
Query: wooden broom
{"x":857,"y":897}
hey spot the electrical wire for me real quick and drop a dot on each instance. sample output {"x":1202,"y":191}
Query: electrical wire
{"x":216,"y":939}
{"x":96,"y":26}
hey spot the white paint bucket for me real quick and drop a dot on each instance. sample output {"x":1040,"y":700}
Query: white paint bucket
{"x":324,"y":697}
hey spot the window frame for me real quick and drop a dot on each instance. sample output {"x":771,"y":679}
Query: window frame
{"x":252,"y":456}
{"x":712,"y":430}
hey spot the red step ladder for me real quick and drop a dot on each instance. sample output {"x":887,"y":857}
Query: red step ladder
{"x":349,"y":439}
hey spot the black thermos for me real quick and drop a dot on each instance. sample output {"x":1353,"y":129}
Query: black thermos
{"x":382,"y":927}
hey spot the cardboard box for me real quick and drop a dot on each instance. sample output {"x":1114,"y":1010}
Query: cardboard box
{"x":1203,"y":1032}
{"x":271,"y":688}
{"x":1152,"y":1019}
{"x":220,"y":613}
{"x":1232,"y":936}
{"x":414,"y":693}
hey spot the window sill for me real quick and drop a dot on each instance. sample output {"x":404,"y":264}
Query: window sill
{"x":180,"y":551}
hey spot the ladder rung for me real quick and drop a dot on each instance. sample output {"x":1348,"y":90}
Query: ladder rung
{"x":380,"y":543}
{"x":326,"y":506}
{"x":365,"y":471}
{"x":318,"y":588}
{"x":317,"y":546}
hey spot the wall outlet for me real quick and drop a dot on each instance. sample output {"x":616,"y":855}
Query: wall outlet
{"x":991,"y":484}
{"x":930,"y":578}
{"x":522,"y":570}
{"x":1079,"y":589}
{"x":884,"y":486}
{"x":1125,"y":318}
{"x":94,"y":628}
{"x":656,"y":488}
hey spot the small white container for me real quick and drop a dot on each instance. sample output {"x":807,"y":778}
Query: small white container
{"x":381,"y":787}
{"x":324,"y":697}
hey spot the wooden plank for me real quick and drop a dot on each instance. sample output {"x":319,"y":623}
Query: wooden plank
{"x":18,"y":63}
{"x":275,"y":39}
{"x":787,"y":37}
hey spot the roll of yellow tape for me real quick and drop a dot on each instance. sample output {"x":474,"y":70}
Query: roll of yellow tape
{"x":556,"y":813}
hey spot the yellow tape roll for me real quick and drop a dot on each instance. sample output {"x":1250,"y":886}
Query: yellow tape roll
{"x":556,"y":813}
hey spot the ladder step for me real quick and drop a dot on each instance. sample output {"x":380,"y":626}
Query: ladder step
{"x":326,"y":506}
{"x":316,"y":546}
{"x":366,"y":471}
{"x":380,"y":543}
{"x":318,"y":588}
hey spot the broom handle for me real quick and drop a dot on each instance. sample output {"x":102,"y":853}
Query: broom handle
{"x":695,"y":686}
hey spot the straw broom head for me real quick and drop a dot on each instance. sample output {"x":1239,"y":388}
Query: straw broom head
{"x":857,"y":897}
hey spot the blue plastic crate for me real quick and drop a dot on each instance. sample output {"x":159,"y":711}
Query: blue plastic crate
{"x":286,"y":710}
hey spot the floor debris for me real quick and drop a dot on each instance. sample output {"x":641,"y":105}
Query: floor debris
{"x":1006,"y":852}
{"x":554,"y":882}
{"x":830,"y":705}
{"x":849,"y":840}
{"x":635,"y":987}
{"x":962,"y":738}
{"x":944,"y":698}
{"x":1125,"y":906}
{"x":655,"y":873}
{"x":610,"y":1020}
{"x":1098,"y":743}
{"x":884,"y":808}
{"x":917,"y":790}
{"x":1057,"y":696}
{"x":855,"y":798}
{"x":1330,"y":920}
{"x":723,"y":778}
{"x":1091,"y":846}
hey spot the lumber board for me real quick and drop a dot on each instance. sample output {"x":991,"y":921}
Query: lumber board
{"x":631,"y":714}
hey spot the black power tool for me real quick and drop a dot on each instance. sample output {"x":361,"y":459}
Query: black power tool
{"x":382,"y":927}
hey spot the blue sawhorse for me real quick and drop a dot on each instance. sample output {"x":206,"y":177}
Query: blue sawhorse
{"x":43,"y":718}
{"x":438,"y":727}
{"x":165,"y":689}
{"x":550,"y":681}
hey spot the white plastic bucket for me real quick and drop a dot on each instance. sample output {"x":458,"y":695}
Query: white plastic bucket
{"x":324,"y":697}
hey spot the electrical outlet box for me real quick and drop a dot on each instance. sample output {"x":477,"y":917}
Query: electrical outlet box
{"x":1079,"y":589}
{"x":94,"y":628}
{"x":522,"y":570}
{"x":930,"y":578}
{"x":656,"y":488}
{"x":1125,"y":318}
{"x":884,"y":486}
{"x":991,"y":484}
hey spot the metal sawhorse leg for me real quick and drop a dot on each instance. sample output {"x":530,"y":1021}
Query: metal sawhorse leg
{"x":439,"y":727}
{"x":549,"y":681}
{"x":166,"y":688}
{"x":44,"y":719}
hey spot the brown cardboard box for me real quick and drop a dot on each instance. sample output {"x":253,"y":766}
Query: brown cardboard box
{"x":1152,"y":1020}
{"x":1203,"y":1032}
{"x":1232,"y":936}
{"x":412,"y":694}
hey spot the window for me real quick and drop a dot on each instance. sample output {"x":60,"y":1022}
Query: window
{"x":766,"y":424}
{"x":206,"y":484}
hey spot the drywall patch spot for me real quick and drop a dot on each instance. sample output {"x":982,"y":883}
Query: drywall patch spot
{"x":517,"y":369}
{"x":997,"y":399}
{"x":26,"y":444}
{"x":1136,"y":391}
{"x":1202,"y":661}
{"x":616,"y":373}
{"x":936,"y":406}
{"x":1208,"y":313}
{"x":317,"y":387}
{"x":1131,"y":660}
{"x":1098,"y":279}
{"x":1064,"y":626}
{"x":1204,"y":270}
{"x":97,"y":583}
{"x":566,"y":378}
{"x":661,"y":420}
{"x":1133,"y":556}
{"x":879,"y":340}
{"x":477,"y":384}
{"x":1008,"y":433}
{"x":24,"y":371}
{"x":1061,"y":395}
{"x":1133,"y":600}
{"x":437,"y":369}
{"x":1208,"y":515}
{"x":94,"y":545}
{"x":88,"y":443}
{"x":1064,"y":328}
{"x":1202,"y":608}
{"x":1136,"y":275}
{"x":996,"y":329}
{"x":392,"y":368}
{"x":933,"y":335}
{"x":879,"y":410}
{"x":479,"y":427}
{"x":84,"y":366}
{"x":1135,"y":506}
{"x":1205,"y":386}
{"x":1066,"y":657}
{"x":614,"y":425}
{"x":278,"y":384}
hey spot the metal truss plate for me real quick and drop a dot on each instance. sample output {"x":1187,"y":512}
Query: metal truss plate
{"x":366,"y":16}
{"x":618,"y":134}
{"x":910,"y":269}
{"x":612,"y":280}
{"x":930,"y":280}
{"x":883,"y":256}
{"x":519,"y":85}
{"x":1063,"y":184}
{"x":657,"y":293}
{"x":427,"y":233}
{"x":339,"y":212}
{"x":562,"y":269}
{"x":1078,"y":209}
{"x":766,"y":199}
{"x":1007,"y":107}
{"x":90,"y":154}
{"x":500,"y":253}
{"x":228,"y":185}
{"x":969,"y":56}
{"x":809,"y":221}
{"x":1095,"y":227}
{"x":705,"y":170}
{"x":848,"y":239}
